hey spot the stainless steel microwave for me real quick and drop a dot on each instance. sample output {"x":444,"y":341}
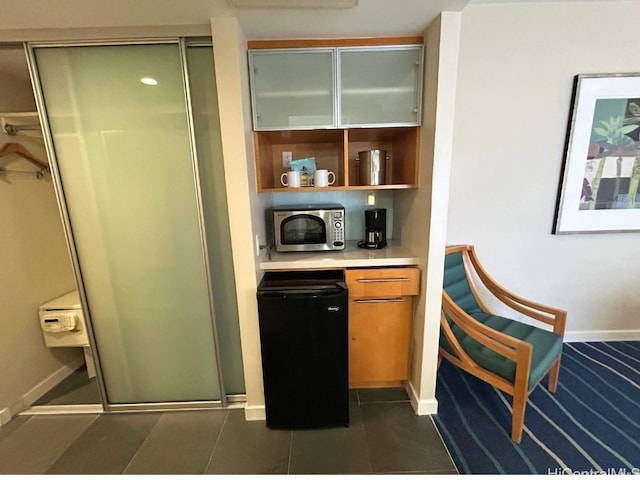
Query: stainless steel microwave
{"x":308,"y":228}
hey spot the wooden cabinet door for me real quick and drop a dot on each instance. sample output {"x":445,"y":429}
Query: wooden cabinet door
{"x":379,"y":339}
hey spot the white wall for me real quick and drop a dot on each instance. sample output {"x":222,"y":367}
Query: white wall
{"x":516,"y":68}
{"x":35,"y":268}
{"x":245,"y":205}
{"x":17,"y":95}
{"x":424,"y":211}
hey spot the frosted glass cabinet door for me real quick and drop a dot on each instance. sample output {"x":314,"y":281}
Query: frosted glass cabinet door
{"x":380,"y":86}
{"x":292,"y":89}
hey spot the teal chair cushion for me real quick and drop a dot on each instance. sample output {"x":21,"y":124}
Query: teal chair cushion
{"x":456,"y":284}
{"x":546,"y":345}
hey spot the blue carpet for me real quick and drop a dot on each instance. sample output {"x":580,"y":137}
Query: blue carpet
{"x":591,"y":424}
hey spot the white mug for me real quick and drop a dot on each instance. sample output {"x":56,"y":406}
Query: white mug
{"x":292,"y":179}
{"x":321,"y":178}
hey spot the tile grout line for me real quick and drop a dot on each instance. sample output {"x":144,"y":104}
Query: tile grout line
{"x":290,"y":452}
{"x":364,"y":429}
{"x":96,"y":416}
{"x":215,"y":444}
{"x":146,"y":439}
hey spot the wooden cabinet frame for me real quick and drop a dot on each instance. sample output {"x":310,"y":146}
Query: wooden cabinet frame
{"x":380,"y":324}
{"x":337,"y":150}
{"x":333,"y":42}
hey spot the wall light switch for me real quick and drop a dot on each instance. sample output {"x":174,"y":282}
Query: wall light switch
{"x":371,"y":198}
{"x":286,"y":159}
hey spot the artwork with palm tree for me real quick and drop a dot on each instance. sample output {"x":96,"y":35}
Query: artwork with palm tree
{"x":600,"y":188}
{"x":612,"y":168}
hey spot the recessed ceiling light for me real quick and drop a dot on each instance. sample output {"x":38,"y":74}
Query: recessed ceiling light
{"x":321,"y":4}
{"x":149,"y":81}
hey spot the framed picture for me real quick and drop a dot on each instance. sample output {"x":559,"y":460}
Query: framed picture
{"x":599,"y":188}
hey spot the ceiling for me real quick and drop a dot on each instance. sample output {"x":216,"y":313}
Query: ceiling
{"x":22,"y":19}
{"x":36,"y":19}
{"x":368,"y":18}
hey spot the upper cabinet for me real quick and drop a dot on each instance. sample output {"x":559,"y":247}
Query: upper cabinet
{"x":379,"y":86}
{"x":292,"y":88}
{"x":331,"y":100}
{"x":336,"y":87}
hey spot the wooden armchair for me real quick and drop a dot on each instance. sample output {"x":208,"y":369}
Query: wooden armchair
{"x":508,"y":354}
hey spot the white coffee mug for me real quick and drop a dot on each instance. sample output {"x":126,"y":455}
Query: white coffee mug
{"x":292,"y":179}
{"x":321,"y":178}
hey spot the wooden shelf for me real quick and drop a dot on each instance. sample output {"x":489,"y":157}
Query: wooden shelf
{"x":337,"y":151}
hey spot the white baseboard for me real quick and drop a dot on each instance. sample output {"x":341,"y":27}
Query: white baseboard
{"x":602,"y":336}
{"x":255,"y":413}
{"x":421,"y":407}
{"x":62,"y":409}
{"x":5,"y":416}
{"x":39,"y":390}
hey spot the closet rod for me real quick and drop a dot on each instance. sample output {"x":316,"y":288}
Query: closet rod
{"x":14,"y":129}
{"x":38,"y":174}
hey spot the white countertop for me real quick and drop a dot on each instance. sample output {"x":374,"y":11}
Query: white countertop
{"x":352,"y":256}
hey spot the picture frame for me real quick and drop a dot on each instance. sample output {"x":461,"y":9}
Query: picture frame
{"x":599,"y":189}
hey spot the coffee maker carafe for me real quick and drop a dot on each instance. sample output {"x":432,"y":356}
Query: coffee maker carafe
{"x":375,"y":228}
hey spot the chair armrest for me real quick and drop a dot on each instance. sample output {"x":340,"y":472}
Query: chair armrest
{"x":499,"y":342}
{"x":512,"y":348}
{"x":555,"y":317}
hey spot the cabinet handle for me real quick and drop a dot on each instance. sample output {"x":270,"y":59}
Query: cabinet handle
{"x":376,"y":280}
{"x":381,"y":300}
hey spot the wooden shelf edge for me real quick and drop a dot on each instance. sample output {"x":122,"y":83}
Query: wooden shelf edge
{"x":399,"y":186}
{"x":334,"y":189}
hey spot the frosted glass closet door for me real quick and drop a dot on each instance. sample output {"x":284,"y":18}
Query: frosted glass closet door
{"x":123,"y":151}
{"x":206,"y":123}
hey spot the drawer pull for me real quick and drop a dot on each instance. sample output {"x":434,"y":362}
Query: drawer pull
{"x":381,"y":300}
{"x":376,"y":280}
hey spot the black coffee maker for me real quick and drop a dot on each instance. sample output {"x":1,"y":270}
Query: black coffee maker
{"x":375,"y":228}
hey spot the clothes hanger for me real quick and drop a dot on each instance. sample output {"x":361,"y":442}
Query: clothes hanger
{"x":17,"y":149}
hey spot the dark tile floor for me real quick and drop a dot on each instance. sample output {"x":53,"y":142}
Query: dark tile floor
{"x":384,"y":436}
{"x":76,"y":389}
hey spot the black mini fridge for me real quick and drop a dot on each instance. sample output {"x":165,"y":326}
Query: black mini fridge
{"x":303,"y":318}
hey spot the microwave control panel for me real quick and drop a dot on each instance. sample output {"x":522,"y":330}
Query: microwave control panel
{"x":338,"y":229}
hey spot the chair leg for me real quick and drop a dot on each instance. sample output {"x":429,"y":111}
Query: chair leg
{"x":554,"y":374}
{"x":517,"y":419}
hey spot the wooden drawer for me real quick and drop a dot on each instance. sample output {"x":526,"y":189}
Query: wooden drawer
{"x":383,"y":282}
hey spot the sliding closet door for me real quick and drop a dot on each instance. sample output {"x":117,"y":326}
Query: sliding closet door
{"x":206,"y":121}
{"x":120,"y":131}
